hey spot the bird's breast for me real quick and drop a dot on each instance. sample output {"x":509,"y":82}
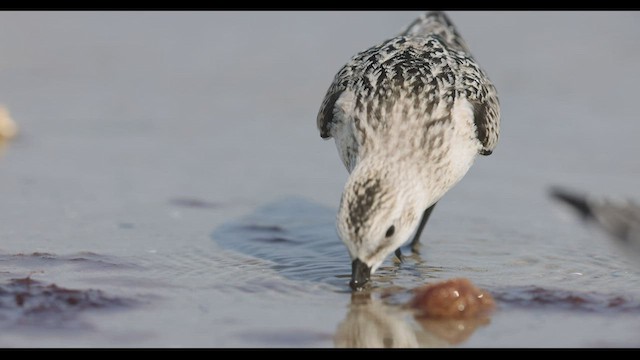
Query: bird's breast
{"x":439,"y":147}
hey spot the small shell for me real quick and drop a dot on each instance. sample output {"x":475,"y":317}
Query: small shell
{"x":454,"y":299}
{"x":8,"y":127}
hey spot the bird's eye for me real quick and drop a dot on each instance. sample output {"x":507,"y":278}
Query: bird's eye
{"x":390,"y":231}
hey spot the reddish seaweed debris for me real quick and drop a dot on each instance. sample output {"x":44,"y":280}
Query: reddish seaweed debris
{"x":266,"y":228}
{"x":451,"y":299}
{"x":194,"y":203}
{"x":42,"y":255}
{"x":28,"y":301}
{"x":537,"y":297}
{"x":275,"y":240}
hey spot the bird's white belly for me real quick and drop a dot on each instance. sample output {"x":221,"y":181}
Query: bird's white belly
{"x":462,"y":147}
{"x":441,"y":161}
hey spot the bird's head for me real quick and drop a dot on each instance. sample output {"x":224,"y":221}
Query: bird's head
{"x":379,"y":210}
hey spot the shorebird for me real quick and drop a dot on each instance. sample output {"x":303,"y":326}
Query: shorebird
{"x":409,"y":116}
{"x":621,"y":220}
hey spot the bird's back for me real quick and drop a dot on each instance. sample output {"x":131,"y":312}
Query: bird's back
{"x":437,"y":23}
{"x":395,"y":94}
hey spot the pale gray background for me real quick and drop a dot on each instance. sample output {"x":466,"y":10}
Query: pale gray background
{"x":120,"y":112}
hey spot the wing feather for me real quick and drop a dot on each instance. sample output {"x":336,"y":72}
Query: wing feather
{"x":432,"y":44}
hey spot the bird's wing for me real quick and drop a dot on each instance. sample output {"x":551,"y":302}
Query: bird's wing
{"x":481,"y":93}
{"x":326,"y":117}
{"x":475,"y":84}
{"x":419,"y":52}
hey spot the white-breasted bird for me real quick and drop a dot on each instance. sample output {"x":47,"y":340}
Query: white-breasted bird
{"x":409,"y":116}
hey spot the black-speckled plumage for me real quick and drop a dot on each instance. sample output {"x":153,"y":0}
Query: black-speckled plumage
{"x":409,"y":115}
{"x":427,"y":64}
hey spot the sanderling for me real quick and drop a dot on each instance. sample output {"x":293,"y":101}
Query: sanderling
{"x":620,"y":219}
{"x":408,"y":117}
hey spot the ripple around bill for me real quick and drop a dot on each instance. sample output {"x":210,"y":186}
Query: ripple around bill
{"x":297,"y":238}
{"x":296,"y":235}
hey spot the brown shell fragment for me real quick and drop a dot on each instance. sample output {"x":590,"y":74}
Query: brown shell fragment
{"x":8,"y":127}
{"x":453,"y":299}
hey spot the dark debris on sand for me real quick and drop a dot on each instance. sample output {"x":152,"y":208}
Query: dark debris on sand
{"x":26,"y":301}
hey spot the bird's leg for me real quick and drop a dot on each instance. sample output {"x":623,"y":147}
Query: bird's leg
{"x":416,"y":239}
{"x":399,"y":254}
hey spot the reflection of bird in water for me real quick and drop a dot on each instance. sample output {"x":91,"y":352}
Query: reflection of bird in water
{"x":621,"y":220}
{"x":409,"y":116}
{"x":371,"y":323}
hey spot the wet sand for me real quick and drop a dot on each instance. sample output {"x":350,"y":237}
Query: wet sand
{"x":168,"y":186}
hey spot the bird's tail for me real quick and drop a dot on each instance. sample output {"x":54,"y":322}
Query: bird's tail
{"x":436,"y":23}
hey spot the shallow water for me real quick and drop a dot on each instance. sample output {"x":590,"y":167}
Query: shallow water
{"x":169,"y":187}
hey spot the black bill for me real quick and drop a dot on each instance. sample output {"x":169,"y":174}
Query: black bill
{"x":360,"y":273}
